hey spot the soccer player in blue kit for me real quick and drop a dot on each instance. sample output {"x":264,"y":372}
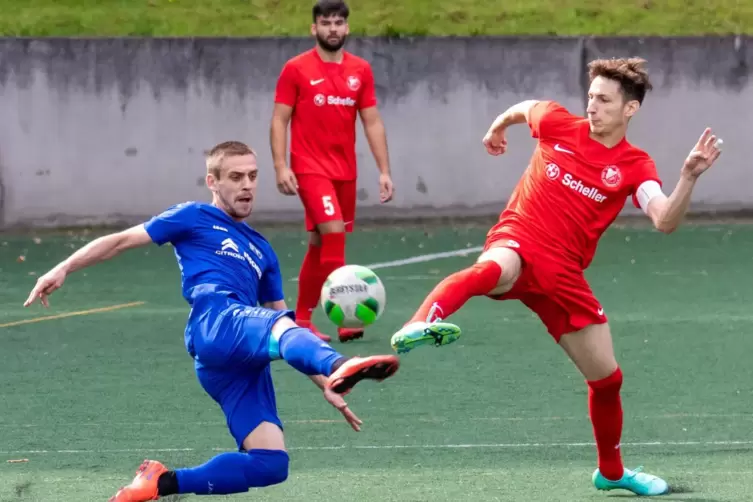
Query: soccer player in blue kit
{"x":238,"y":324}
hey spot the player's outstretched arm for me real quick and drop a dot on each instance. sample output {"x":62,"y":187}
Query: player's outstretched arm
{"x":494,"y":140}
{"x":100,"y":249}
{"x":667,"y":213}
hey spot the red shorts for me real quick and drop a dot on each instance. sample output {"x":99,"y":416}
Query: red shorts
{"x":327,"y":200}
{"x":555,"y":290}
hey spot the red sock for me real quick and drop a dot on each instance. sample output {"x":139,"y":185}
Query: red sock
{"x":333,"y":254}
{"x":318,"y":263}
{"x":452,"y":293}
{"x":308,"y":293}
{"x":605,"y":409}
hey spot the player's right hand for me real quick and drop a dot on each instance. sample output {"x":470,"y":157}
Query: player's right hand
{"x":46,"y":284}
{"x":286,"y":182}
{"x":495,"y":142}
{"x":338,"y":402}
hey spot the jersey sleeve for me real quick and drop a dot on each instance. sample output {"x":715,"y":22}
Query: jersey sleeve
{"x":270,"y":286}
{"x":173,"y":224}
{"x":367,"y":98}
{"x":647,"y":173}
{"x":286,"y":91}
{"x":544,"y":118}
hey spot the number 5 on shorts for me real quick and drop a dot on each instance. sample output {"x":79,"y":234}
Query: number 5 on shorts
{"x":329,"y":209}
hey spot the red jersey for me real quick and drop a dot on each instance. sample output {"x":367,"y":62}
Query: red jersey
{"x":574,"y":187}
{"x":326,"y":98}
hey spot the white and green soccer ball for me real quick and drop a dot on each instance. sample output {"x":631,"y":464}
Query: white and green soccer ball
{"x":353,"y":296}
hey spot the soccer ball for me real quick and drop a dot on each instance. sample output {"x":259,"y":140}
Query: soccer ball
{"x":353,"y":296}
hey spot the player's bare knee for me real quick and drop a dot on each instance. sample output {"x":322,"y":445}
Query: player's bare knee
{"x":282,"y":325}
{"x":315,"y":239}
{"x":331,"y":227}
{"x":591,"y":351}
{"x":510,"y":263}
{"x":266,"y":436}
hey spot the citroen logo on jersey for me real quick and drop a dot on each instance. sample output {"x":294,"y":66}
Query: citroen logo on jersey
{"x":552,"y":171}
{"x":229,"y":244}
{"x":230,"y":248}
{"x":611,"y":176}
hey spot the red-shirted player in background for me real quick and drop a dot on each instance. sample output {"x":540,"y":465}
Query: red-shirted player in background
{"x":320,"y":92}
{"x":581,"y":173}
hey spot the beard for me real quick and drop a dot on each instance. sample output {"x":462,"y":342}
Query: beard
{"x":328,"y":46}
{"x":230,"y":208}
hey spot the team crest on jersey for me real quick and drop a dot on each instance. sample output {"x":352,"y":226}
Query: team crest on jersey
{"x":611,"y":176}
{"x":354,"y":83}
{"x":552,"y":171}
{"x":319,"y":100}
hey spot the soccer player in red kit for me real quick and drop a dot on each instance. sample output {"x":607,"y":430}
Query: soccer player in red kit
{"x":320,"y":92}
{"x":579,"y":178}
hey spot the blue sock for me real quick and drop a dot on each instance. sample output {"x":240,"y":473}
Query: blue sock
{"x":234,"y":473}
{"x":307,"y":353}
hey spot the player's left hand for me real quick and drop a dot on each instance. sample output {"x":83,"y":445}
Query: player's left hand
{"x":338,"y":402}
{"x":386,"y":189}
{"x":703,"y":155}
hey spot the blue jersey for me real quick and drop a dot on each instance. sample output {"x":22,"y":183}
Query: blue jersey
{"x":217,"y":253}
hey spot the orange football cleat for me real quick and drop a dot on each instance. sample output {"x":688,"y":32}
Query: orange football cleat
{"x":355,"y":369}
{"x":144,"y":485}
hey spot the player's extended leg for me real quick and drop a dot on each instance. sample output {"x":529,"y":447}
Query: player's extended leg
{"x":311,"y":356}
{"x":235,"y":354}
{"x":495,"y":272}
{"x":592,"y":352}
{"x":261,"y":459}
{"x":224,"y":474}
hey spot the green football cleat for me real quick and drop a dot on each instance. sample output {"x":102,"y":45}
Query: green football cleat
{"x":422,"y":333}
{"x":635,"y":481}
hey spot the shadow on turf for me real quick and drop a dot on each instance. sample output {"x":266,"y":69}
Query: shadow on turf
{"x":20,"y":492}
{"x":678,"y":489}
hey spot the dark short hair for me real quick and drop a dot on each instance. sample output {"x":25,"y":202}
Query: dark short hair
{"x":326,"y":8}
{"x":629,"y":72}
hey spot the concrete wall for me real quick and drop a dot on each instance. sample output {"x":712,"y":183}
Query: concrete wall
{"x":102,"y":131}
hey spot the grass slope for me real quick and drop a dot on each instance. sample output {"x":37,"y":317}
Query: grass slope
{"x":374,"y":17}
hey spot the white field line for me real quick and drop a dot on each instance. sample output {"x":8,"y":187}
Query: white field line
{"x":519,"y":446}
{"x":420,"y":259}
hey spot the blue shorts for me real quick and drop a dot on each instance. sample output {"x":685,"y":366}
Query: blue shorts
{"x":232,"y":346}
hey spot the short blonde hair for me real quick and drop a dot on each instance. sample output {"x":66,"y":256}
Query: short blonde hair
{"x":219,"y":152}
